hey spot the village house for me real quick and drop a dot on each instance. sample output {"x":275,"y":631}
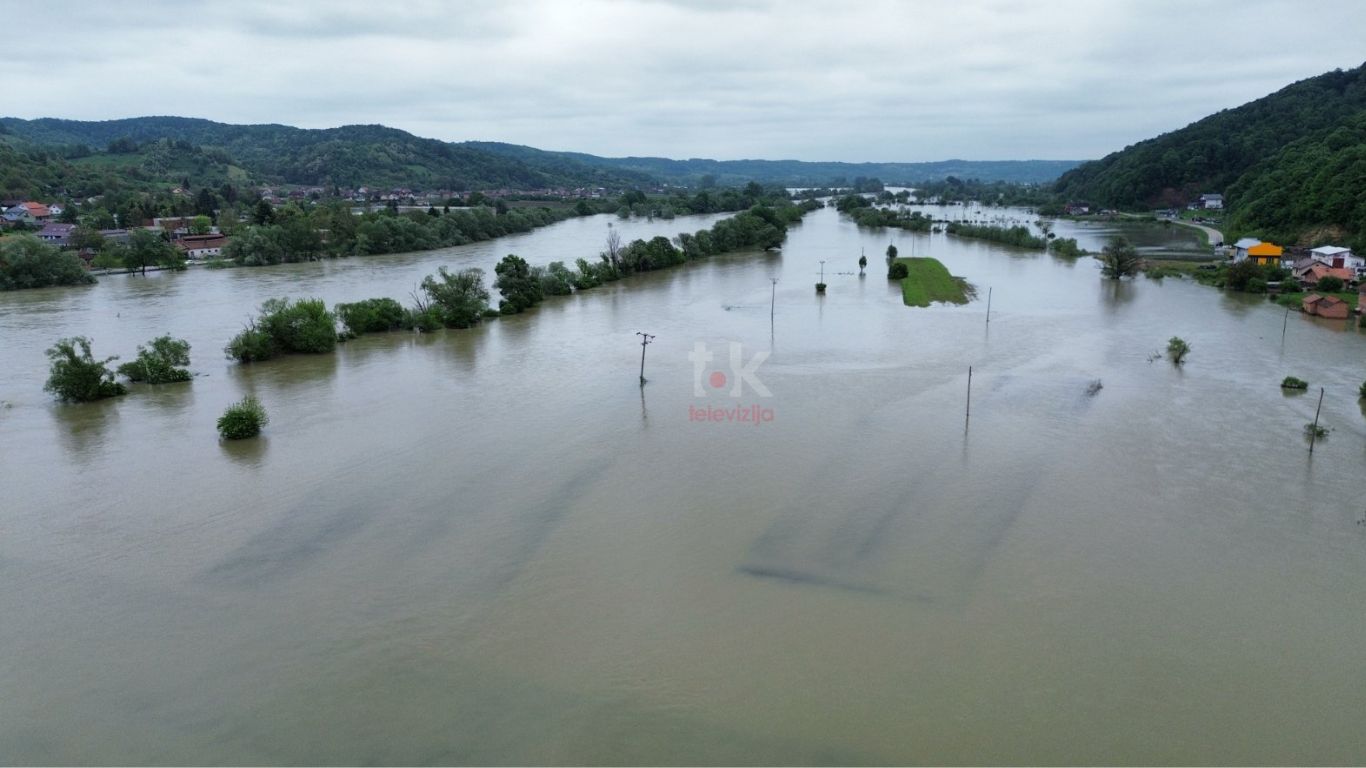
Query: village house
{"x":1211,"y":202}
{"x":1240,"y":247}
{"x":29,"y":213}
{"x":202,"y":246}
{"x":56,"y":234}
{"x":1330,"y":307}
{"x":1264,"y":254}
{"x":1311,"y":275}
{"x":1337,"y":256}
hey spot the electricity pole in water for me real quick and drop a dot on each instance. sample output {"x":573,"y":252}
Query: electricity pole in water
{"x":772,"y":302}
{"x":645,"y":338}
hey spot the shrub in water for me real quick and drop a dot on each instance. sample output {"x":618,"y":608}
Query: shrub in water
{"x":76,"y":376}
{"x":242,"y":419}
{"x":1178,"y":349}
{"x":285,"y":326}
{"x":157,"y":362}
{"x":1290,"y":382}
{"x":897,"y":271}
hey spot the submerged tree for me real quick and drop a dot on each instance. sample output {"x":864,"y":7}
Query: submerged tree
{"x":460,"y":297}
{"x":160,"y":362}
{"x":1178,"y":349}
{"x":76,"y":376}
{"x":1120,"y":259}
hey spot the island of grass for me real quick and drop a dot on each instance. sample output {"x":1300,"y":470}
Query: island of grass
{"x":928,"y":281}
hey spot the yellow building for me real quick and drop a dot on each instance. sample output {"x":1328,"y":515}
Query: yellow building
{"x":1263,"y":254}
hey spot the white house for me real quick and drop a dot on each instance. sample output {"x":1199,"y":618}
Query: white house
{"x":1337,"y":256}
{"x":1240,"y":247}
{"x":1211,"y":201}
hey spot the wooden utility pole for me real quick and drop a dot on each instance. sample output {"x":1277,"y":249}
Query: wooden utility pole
{"x":988,"y":305}
{"x":1283,"y":324}
{"x":772,"y":302}
{"x":645,"y":338}
{"x":967,"y":412}
{"x":1314,"y":432}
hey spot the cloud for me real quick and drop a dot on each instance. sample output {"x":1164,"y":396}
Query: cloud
{"x":877,"y":80}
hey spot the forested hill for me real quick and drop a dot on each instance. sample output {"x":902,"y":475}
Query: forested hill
{"x":799,"y":172}
{"x":379,"y":156}
{"x":1291,"y":165}
{"x":350,"y":156}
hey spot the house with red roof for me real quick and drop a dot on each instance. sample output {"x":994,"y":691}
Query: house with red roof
{"x":1330,"y":307}
{"x":29,"y":213}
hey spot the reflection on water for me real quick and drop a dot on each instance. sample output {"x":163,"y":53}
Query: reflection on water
{"x":495,"y":546}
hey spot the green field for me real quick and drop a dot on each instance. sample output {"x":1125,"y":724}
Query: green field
{"x":928,"y":281}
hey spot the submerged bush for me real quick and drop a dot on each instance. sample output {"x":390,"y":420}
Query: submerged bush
{"x":76,"y":376}
{"x":371,"y":316}
{"x":897,"y":271}
{"x":242,"y":419}
{"x":1178,"y":349}
{"x":1290,"y":382}
{"x":285,"y":326}
{"x":157,"y":362}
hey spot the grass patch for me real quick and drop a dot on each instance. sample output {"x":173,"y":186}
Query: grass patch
{"x":928,"y":281}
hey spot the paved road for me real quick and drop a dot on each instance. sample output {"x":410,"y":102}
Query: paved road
{"x":1215,"y":236}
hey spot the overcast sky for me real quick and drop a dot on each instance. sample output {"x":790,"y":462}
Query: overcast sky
{"x":847,"y":80}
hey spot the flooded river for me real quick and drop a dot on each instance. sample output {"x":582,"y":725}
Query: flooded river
{"x":493,"y":546}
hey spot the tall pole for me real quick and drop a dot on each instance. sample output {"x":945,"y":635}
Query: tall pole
{"x":1283,"y":324}
{"x":1314,"y":433}
{"x":967,"y":412}
{"x":772,"y":302}
{"x":645,"y":338}
{"x":988,"y":305}
{"x":822,"y":270}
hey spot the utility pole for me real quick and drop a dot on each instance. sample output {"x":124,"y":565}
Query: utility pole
{"x":967,"y":410}
{"x":822,"y":270}
{"x":645,"y":338}
{"x":1283,"y":324}
{"x":772,"y":302}
{"x":988,"y":305}
{"x":1314,"y":431}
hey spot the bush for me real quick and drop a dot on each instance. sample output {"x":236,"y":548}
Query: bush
{"x":1290,"y":382}
{"x":285,"y":326}
{"x":76,"y":376}
{"x":1329,"y":284}
{"x":1178,"y":349}
{"x":371,"y":316}
{"x":242,"y":419}
{"x":1362,"y":390}
{"x":157,"y":362}
{"x":897,"y":271}
{"x":519,"y":284}
{"x":422,"y":319}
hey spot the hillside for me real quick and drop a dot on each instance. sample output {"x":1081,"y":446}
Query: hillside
{"x":350,"y":156}
{"x":1290,"y":164}
{"x":799,"y":172}
{"x":206,"y":153}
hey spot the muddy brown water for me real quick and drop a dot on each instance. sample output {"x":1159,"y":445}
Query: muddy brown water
{"x":493,"y":546}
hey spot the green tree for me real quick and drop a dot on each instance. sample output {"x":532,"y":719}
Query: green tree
{"x":263,"y":213}
{"x":146,"y":249}
{"x":76,"y":376}
{"x":891,"y":254}
{"x":459,"y":297}
{"x":160,"y":362}
{"x":1119,"y":259}
{"x":27,"y":262}
{"x":520,"y":288}
{"x":200,"y":225}
{"x":285,"y":326}
{"x":1241,"y":273}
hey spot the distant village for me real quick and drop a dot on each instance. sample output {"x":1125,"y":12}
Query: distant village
{"x":44,"y":220}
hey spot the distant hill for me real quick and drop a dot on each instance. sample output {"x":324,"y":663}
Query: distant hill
{"x":204,"y":152}
{"x":350,"y":156}
{"x":800,"y":172}
{"x":1291,"y":165}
